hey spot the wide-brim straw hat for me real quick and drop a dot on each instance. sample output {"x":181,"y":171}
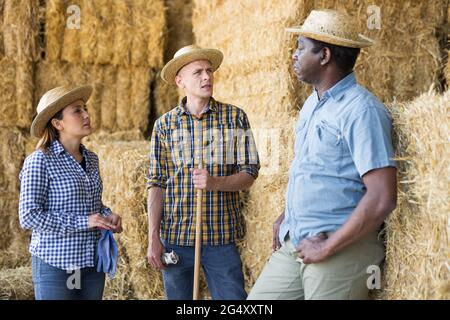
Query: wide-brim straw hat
{"x":334,"y":27}
{"x":187,"y":55}
{"x":53,"y":101}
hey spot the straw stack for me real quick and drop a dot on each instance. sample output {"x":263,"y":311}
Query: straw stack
{"x":447,"y":69}
{"x":261,"y":82}
{"x":19,"y":26}
{"x":16,"y":284}
{"x":417,"y":233}
{"x":406,"y":59}
{"x":179,"y":34}
{"x":257,"y":75}
{"x":13,"y":240}
{"x":123,"y":167}
{"x":116,"y":49}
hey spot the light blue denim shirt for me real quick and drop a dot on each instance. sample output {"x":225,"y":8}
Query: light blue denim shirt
{"x":338,"y":139}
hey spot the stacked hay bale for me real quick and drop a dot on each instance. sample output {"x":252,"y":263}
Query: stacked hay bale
{"x":16,"y":284}
{"x":18,"y":55}
{"x":406,"y":58}
{"x":256,"y":75}
{"x":418,"y":231}
{"x":123,"y":167}
{"x":447,"y":69}
{"x":179,"y":34}
{"x":117,"y":48}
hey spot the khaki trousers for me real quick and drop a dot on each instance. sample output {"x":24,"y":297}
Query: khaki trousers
{"x":342,"y":276}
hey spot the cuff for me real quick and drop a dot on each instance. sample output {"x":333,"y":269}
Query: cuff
{"x":156,"y":183}
{"x":250,"y":169}
{"x":82,"y":223}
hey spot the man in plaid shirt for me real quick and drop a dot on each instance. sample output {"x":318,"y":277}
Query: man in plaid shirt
{"x":218,"y":135}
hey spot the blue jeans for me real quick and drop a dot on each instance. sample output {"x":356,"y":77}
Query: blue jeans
{"x":221,"y":264}
{"x":51,"y":283}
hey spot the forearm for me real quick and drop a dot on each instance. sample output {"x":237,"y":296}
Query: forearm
{"x":366,"y":218}
{"x":155,"y":202}
{"x":34,"y":218}
{"x":236,"y":182}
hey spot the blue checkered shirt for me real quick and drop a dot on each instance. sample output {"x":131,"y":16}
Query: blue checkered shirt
{"x":56,"y":198}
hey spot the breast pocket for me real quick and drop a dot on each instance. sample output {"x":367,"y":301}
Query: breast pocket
{"x":220,"y":144}
{"x":299,"y":134}
{"x":326,"y":144}
{"x":179,"y":146}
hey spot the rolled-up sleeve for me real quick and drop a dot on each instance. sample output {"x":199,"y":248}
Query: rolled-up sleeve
{"x":34,"y":186}
{"x":157,"y":176}
{"x":247,"y":154}
{"x":369,"y":137}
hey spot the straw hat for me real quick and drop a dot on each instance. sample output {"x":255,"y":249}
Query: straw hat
{"x":334,"y":27}
{"x":187,"y":55}
{"x":53,"y":101}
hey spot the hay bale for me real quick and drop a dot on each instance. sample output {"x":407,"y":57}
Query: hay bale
{"x":16,"y":284}
{"x":20,"y":29}
{"x":71,"y":48}
{"x":139,"y":33}
{"x":20,"y":32}
{"x":8,"y":110}
{"x":154,"y":28}
{"x":12,"y":154}
{"x":388,"y":69}
{"x":55,"y":23}
{"x":123,"y":30}
{"x":89,"y":31}
{"x":123,"y":98}
{"x":179,"y":34}
{"x":94,"y":104}
{"x":141,"y":21}
{"x":124,"y":166}
{"x":262,"y":78}
{"x":13,"y":240}
{"x":2,"y":47}
{"x":406,"y":59}
{"x":139,"y":109}
{"x":108,"y":100}
{"x":106,"y":136}
{"x":179,"y":26}
{"x":256,"y":28}
{"x":105,"y":40}
{"x":417,"y":232}
{"x":261,"y":82}
{"x":24,"y":94}
{"x":447,"y":69}
{"x":166,"y":97}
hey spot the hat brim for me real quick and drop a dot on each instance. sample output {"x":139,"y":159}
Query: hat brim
{"x":171,"y":69}
{"x":362,"y":41}
{"x":43,"y":117}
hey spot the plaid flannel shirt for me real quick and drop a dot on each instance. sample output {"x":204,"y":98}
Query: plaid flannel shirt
{"x":56,"y":198}
{"x":223,"y":141}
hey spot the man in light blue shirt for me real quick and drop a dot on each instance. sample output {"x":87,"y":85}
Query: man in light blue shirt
{"x":342,"y":181}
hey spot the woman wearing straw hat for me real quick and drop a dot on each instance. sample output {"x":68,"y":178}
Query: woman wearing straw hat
{"x":342,"y":182}
{"x":60,"y":200}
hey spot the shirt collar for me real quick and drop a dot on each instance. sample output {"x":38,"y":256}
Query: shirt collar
{"x":57,"y":148}
{"x":337,"y":91}
{"x":212,"y":106}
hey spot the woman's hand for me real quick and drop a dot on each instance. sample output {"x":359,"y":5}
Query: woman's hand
{"x":96,"y":220}
{"x":116,"y":221}
{"x":112,"y":222}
